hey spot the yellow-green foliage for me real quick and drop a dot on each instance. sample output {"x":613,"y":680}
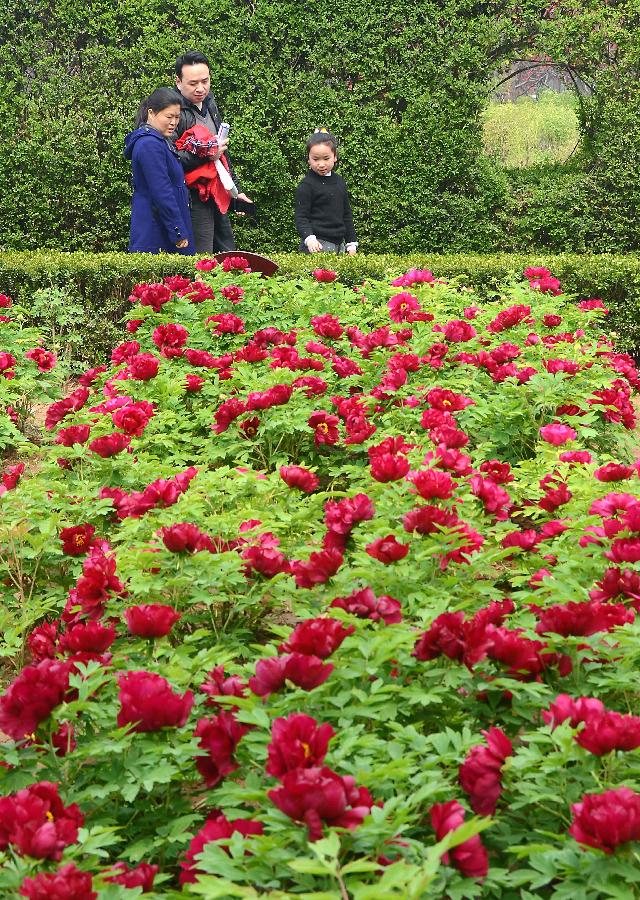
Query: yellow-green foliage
{"x":530,"y":131}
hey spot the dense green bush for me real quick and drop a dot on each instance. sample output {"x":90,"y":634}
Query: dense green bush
{"x":404,"y":87}
{"x":99,"y":284}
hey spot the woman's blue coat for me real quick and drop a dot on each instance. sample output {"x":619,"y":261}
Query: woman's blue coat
{"x":160,"y":214}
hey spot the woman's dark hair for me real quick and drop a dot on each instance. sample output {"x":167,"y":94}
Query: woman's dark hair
{"x":323,"y":136}
{"x":159,"y":100}
{"x":190,"y":58}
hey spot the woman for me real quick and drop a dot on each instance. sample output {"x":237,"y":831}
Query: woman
{"x":160,"y":218}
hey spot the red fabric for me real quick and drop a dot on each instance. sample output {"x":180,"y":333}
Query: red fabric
{"x":205,"y":177}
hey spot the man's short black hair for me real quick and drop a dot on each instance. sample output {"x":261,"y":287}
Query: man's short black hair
{"x":190,"y":58}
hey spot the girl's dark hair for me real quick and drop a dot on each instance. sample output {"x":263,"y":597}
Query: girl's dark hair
{"x":159,"y":100}
{"x":323,"y":136}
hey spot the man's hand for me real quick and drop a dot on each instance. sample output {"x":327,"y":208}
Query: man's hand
{"x":222,"y":146}
{"x":246,"y":199}
{"x":182,"y":244}
{"x":314,"y":246}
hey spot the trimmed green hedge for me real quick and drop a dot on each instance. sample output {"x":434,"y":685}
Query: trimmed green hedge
{"x":100,"y":283}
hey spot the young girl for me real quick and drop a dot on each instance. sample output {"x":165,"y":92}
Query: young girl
{"x":323,"y":212}
{"x":160,"y":218}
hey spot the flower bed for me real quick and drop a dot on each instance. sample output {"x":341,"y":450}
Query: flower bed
{"x":325,"y":592}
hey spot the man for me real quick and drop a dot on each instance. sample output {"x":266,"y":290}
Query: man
{"x":211,"y":228}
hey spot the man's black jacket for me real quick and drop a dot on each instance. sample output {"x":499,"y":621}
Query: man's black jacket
{"x":190,"y":115}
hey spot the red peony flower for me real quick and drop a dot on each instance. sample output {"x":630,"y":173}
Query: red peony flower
{"x":557,"y":434}
{"x":217,"y":685}
{"x":74,"y":434}
{"x":306,"y":672}
{"x":316,"y":637}
{"x":575,"y":457}
{"x":414,"y":276}
{"x":153,"y":295}
{"x":575,"y":710}
{"x":77,"y":540}
{"x":110,"y":444}
{"x":509,"y":317}
{"x":265,"y":558}
{"x":184,"y":537}
{"x":233,"y":293}
{"x":299,"y":477}
{"x":607,"y":820}
{"x":170,"y":339}
{"x":148,"y":702}
{"x":342,"y":516}
{"x":235,"y":263}
{"x":429,"y":519}
{"x":588,"y":305}
{"x":67,"y":883}
{"x":31,"y":697}
{"x":123,"y":352}
{"x":42,"y":641}
{"x":583,"y":618}
{"x":206,"y":265}
{"x":325,"y":428}
{"x":480,"y":772}
{"x":366,"y":605}
{"x":387,"y":467}
{"x":326,"y":275}
{"x":449,"y":634}
{"x":151,"y":620}
{"x":318,"y":569}
{"x":142,"y":875}
{"x":10,"y":478}
{"x":219,"y":737}
{"x":227,"y":323}
{"x":606,"y":731}
{"x":495,"y":499}
{"x":87,"y":637}
{"x":35,"y":822}
{"x":57,"y":411}
{"x":387,"y":549}
{"x":44,"y":359}
{"x":318,"y":796}
{"x":614,"y":472}
{"x":470,"y":857}
{"x":193,"y":384}
{"x":432,"y":484}
{"x":143,"y":366}
{"x":217,"y":827}
{"x":327,"y":326}
{"x":297,"y":742}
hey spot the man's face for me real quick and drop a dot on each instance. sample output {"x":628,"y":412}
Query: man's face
{"x":195,"y":83}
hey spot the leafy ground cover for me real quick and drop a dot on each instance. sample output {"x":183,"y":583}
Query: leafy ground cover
{"x":324,"y":592}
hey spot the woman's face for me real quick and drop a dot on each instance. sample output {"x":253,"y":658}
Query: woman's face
{"x":166,"y":120}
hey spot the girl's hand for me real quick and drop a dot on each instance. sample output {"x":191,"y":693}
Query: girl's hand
{"x":182,"y":244}
{"x":314,"y":246}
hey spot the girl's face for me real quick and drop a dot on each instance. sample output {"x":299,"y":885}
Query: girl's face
{"x":322,"y":159}
{"x":166,"y":120}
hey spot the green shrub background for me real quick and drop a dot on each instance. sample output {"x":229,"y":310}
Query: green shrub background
{"x":405,"y":87}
